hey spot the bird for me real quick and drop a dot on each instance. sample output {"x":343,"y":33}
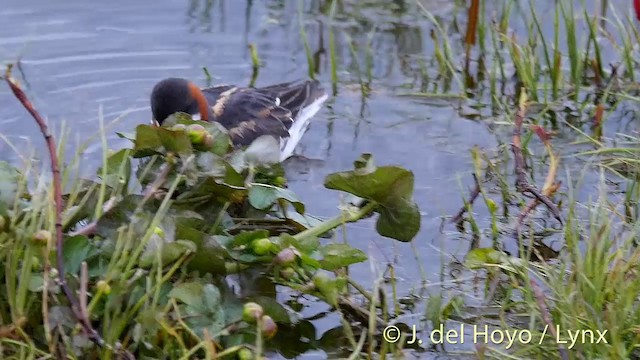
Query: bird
{"x":282,"y":110}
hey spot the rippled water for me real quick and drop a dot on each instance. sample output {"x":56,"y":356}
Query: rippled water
{"x":82,"y":58}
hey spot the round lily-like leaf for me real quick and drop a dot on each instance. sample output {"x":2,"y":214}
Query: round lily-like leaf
{"x":335,"y":256}
{"x":210,"y":256}
{"x":390,"y":187}
{"x":400,"y":222}
{"x":159,"y":140}
{"x":263,"y":196}
{"x":202,"y":306}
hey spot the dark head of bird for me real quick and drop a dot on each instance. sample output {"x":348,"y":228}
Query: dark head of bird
{"x":174,"y":95}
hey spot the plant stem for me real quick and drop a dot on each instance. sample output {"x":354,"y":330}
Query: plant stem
{"x":343,"y":218}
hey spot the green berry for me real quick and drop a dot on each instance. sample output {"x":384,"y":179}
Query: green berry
{"x":261,"y":246}
{"x":252,"y":312}
{"x":104,"y":287}
{"x":245,"y":354}
{"x":35,"y":263}
{"x":280,"y":181}
{"x":41,"y":237}
{"x":197,"y":134}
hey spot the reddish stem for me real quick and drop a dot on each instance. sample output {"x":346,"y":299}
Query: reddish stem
{"x":57,"y":193}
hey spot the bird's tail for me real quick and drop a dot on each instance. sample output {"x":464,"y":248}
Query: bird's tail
{"x":304,"y":99}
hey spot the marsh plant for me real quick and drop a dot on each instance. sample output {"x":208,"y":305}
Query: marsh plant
{"x":151,"y":266}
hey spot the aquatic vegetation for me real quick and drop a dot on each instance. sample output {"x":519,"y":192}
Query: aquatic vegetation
{"x":148,"y":268}
{"x":547,"y":252}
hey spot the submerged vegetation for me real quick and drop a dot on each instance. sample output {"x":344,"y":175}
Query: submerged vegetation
{"x":184,"y":247}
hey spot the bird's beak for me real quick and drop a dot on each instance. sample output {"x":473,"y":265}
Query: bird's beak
{"x":154,"y":122}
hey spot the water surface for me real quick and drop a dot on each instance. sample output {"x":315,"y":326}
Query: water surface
{"x":86,"y":59}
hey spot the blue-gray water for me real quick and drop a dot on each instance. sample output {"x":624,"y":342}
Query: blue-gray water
{"x":81,"y":57}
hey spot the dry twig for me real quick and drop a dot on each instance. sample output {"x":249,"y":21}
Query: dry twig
{"x":550,"y":184}
{"x":457,"y":218}
{"x":57,"y":193}
{"x":522,"y":184}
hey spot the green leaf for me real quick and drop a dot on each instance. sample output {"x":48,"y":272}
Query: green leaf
{"x":147,"y":141}
{"x":390,"y":187}
{"x":8,"y":186}
{"x":210,"y":256}
{"x":232,"y":177}
{"x":191,"y":294}
{"x":239,"y":246}
{"x":303,"y":222}
{"x":400,"y":222}
{"x":214,"y":190}
{"x":306,"y":245}
{"x":75,"y":252}
{"x":329,"y":288}
{"x":123,"y":214}
{"x":245,"y":238}
{"x":454,"y":306}
{"x":211,"y":164}
{"x":36,"y":282}
{"x":202,"y":308}
{"x":309,"y":261}
{"x":336,"y":256}
{"x":212,"y":298}
{"x":478,"y":258}
{"x":153,"y":140}
{"x":126,"y":135}
{"x":118,"y":169}
{"x":384,"y":185}
{"x":434,"y":310}
{"x":169,"y":252}
{"x":263,"y":196}
{"x":221,"y":139}
{"x":177,"y":118}
{"x":175,"y":141}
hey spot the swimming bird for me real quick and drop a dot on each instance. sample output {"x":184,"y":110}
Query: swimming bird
{"x":283,"y":110}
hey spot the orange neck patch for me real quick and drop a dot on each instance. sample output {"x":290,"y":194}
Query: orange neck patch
{"x":203,"y":105}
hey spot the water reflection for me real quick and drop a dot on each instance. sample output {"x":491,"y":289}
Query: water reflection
{"x":109,"y":55}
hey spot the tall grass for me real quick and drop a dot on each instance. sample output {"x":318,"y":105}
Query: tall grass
{"x":305,"y":41}
{"x":332,"y":48}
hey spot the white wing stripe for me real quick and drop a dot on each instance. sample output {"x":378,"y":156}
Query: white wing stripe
{"x":299,"y":127}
